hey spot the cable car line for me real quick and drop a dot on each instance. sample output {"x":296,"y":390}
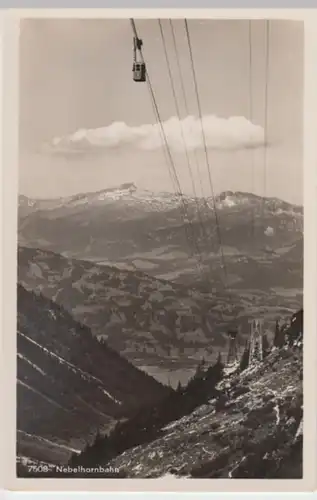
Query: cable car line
{"x":251,"y":118}
{"x":267,"y":63}
{"x":194,"y":239}
{"x":203,"y":198}
{"x":183,"y":136}
{"x":175,"y":99}
{"x":204,"y":232}
{"x":157,"y":113}
{"x":172,"y":171}
{"x":171,"y":78}
{"x":205,"y":148}
{"x":184,"y":97}
{"x":139,"y":75}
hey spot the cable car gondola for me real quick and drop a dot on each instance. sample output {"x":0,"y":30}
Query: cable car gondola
{"x":139,"y":68}
{"x":139,"y":73}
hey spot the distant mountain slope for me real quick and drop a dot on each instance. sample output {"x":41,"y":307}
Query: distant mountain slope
{"x":137,"y":313}
{"x":145,"y":231}
{"x":69,"y":385}
{"x":149,"y":321}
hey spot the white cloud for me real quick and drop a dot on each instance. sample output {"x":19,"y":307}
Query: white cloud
{"x":220,"y":133}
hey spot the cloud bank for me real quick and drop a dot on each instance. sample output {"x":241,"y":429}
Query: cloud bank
{"x":234,"y":133}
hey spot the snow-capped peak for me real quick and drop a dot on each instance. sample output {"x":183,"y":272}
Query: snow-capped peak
{"x":131,"y":196}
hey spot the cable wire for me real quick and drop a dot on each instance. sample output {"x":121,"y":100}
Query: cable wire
{"x":251,"y":118}
{"x":204,"y":232}
{"x":266,"y":114}
{"x":182,"y":134}
{"x":172,"y":170}
{"x":205,"y":148}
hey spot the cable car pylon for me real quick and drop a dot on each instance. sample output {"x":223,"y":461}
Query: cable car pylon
{"x":232,"y":356}
{"x":256,"y":341}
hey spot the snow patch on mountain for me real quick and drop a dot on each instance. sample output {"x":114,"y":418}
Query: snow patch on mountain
{"x":37,"y":368}
{"x":82,"y":373}
{"x":132,"y":197}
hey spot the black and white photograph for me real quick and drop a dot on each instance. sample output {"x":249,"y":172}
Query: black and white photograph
{"x":160,"y":249}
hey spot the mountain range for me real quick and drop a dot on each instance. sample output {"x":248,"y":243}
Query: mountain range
{"x":139,"y":230}
{"x":121,"y":284}
{"x":120,"y":262}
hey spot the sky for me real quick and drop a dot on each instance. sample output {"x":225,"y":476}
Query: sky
{"x":76,"y":82}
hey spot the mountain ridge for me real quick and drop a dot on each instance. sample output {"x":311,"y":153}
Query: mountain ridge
{"x":150,"y":234}
{"x":129,"y":188}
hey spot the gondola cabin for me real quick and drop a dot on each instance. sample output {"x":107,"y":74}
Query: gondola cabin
{"x":233,"y":333}
{"x":139,"y":72}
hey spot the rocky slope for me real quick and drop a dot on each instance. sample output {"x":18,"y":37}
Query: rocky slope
{"x":137,"y":229}
{"x":69,"y":385}
{"x":251,"y":433}
{"x":229,"y":422}
{"x":151,"y":322}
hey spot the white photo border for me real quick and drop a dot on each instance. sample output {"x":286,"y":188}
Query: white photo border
{"x":9,"y":45}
